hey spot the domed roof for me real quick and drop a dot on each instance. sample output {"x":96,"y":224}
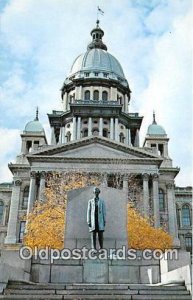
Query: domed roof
{"x":34,"y":126}
{"x":97,"y":60}
{"x":155,"y":129}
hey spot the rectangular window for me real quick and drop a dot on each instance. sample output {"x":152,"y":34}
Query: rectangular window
{"x":21,"y":231}
{"x":188,"y":243}
{"x":96,"y":74}
{"x":86,"y":74}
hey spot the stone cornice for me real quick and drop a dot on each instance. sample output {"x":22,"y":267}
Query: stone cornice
{"x":53,"y":159}
{"x":173,"y":171}
{"x":18,"y":167}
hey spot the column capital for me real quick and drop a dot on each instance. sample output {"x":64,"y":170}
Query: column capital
{"x":17,"y":182}
{"x":170,"y":186}
{"x":43,"y":174}
{"x":155,"y":177}
{"x":33,"y":174}
{"x":145,"y":176}
{"x":126,"y":176}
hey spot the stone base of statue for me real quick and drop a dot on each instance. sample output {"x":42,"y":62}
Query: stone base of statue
{"x":96,"y":271}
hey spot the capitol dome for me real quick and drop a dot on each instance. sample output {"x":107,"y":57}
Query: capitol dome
{"x":97,"y":60}
{"x":96,"y":63}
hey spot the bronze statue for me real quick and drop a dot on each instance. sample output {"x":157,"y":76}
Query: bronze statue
{"x":96,"y":218}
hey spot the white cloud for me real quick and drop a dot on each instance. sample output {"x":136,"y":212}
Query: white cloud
{"x":10,"y":139}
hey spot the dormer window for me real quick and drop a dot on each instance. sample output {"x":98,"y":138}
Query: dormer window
{"x":96,"y":74}
{"x":105,"y":75}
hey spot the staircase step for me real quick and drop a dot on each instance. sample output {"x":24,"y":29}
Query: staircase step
{"x":38,"y":286}
{"x":161,"y":297}
{"x":156,"y":287}
{"x":97,"y":286}
{"x":98,"y":297}
{"x":29,"y":292}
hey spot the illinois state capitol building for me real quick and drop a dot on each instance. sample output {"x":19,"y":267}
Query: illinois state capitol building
{"x":96,"y":132}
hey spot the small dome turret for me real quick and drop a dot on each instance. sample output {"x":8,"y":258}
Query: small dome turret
{"x":35,"y":125}
{"x":155,"y":129}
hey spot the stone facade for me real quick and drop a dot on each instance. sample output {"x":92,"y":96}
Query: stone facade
{"x":96,"y":132}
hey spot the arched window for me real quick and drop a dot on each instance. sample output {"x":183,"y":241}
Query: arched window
{"x":121,"y":138}
{"x":85,"y":132}
{"x":186,"y":215}
{"x":68,"y":136}
{"x":96,"y":95}
{"x":25,"y":197}
{"x":87,"y":95}
{"x":161,"y":200}
{"x":104,"y":96}
{"x":105,"y":132}
{"x":95,"y":131}
{"x":1,"y":211}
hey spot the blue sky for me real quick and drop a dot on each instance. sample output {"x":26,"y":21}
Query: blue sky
{"x":151,"y":39}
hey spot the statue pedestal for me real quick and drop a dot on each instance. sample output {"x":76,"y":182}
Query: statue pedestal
{"x":114,"y":271}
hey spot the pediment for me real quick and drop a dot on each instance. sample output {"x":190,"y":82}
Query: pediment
{"x":95,"y":151}
{"x":95,"y":147}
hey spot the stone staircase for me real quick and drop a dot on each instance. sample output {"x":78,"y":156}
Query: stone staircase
{"x":29,"y":291}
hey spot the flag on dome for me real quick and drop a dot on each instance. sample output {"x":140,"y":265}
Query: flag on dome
{"x":100,"y":11}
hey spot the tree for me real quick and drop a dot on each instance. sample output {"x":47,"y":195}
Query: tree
{"x":142,"y":235}
{"x":46,"y":223}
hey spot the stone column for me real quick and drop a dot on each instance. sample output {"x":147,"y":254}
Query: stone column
{"x":126,"y":136}
{"x":32,"y":192}
{"x":23,"y":147}
{"x":173,"y":230}
{"x":112,"y":129}
{"x":116,"y":130}
{"x":125,"y":185}
{"x":129,"y":137}
{"x":60,"y":137}
{"x":104,"y":182}
{"x":111,"y":94}
{"x":126,"y":103}
{"x":78,"y":127}
{"x":74,"y":129}
{"x":156,"y":201}
{"x":166,"y":150}
{"x":63,"y":134}
{"x":53,"y":138}
{"x":80,"y":93}
{"x":11,"y":237}
{"x":65,"y":101}
{"x":100,"y":93}
{"x":89,"y":126}
{"x":42,"y":186}
{"x":91,"y":92}
{"x":137,"y":138}
{"x":146,"y":194}
{"x":101,"y":127}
